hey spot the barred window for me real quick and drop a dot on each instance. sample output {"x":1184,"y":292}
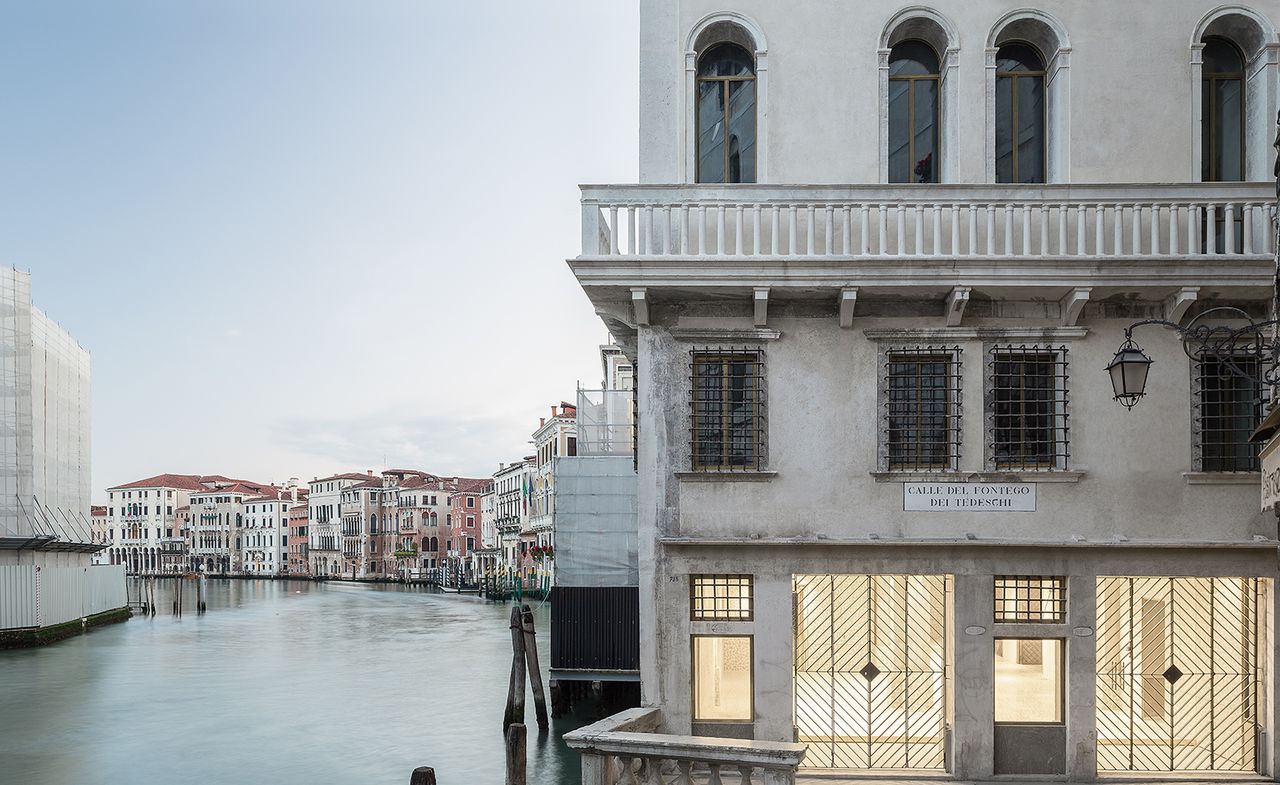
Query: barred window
{"x":1028,"y":407}
{"x":922,"y":408}
{"x":1228,"y":408}
{"x":727,"y":403}
{"x":1031,"y":599}
{"x":720,"y":597}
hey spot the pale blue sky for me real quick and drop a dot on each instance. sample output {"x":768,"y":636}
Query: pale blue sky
{"x":300,"y":237}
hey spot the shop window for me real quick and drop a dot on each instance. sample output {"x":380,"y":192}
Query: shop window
{"x":722,"y":678}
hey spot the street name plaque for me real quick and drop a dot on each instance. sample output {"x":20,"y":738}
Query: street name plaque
{"x":969,"y":497}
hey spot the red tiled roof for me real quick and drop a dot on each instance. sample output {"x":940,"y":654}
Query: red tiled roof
{"x":345,"y":476}
{"x":186,"y":482}
{"x":99,"y":511}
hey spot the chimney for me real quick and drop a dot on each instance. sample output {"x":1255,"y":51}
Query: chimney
{"x":369,"y":472}
{"x":542,"y":421}
{"x":553,"y":412}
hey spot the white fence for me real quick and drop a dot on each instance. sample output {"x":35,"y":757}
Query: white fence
{"x":1044,"y":221}
{"x":33,"y":596}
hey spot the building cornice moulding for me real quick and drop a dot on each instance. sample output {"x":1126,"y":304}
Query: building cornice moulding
{"x":916,"y":334}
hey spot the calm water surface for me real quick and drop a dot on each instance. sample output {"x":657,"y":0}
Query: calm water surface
{"x":279,"y":682}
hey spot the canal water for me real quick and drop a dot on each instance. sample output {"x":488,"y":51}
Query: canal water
{"x":280,"y":682}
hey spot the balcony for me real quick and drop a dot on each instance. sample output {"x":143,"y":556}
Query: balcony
{"x":624,"y":749}
{"x":884,"y":237}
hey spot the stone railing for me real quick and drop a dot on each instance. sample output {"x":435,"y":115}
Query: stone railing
{"x":624,"y":750}
{"x":989,"y":221}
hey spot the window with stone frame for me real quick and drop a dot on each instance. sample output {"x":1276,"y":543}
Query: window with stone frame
{"x":1227,"y":406}
{"x":1026,"y":393}
{"x":920,"y":408}
{"x":727,"y":409}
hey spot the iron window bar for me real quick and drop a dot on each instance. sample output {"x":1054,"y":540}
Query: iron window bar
{"x":921,"y":417}
{"x":728,"y":425}
{"x":1228,"y":406}
{"x":720,"y":597}
{"x":1030,"y":599}
{"x":1027,"y":403}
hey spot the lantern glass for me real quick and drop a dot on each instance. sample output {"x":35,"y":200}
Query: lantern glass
{"x":1128,"y":371}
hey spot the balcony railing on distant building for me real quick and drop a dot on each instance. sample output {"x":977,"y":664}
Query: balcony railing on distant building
{"x":606,"y":425}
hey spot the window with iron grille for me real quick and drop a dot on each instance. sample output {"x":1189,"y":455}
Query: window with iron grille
{"x":1027,"y":407}
{"x":1031,"y":599}
{"x":1227,"y":407}
{"x":921,"y":406}
{"x":727,"y":407}
{"x":720,"y":597}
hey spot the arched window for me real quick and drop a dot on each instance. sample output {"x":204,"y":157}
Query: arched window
{"x":373,"y":524}
{"x":1222,"y":123}
{"x":726,"y":114}
{"x":1020,"y":115}
{"x":914,"y":82}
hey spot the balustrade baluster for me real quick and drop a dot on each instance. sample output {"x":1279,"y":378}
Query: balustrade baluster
{"x":809,"y":215}
{"x":991,"y":230}
{"x":1211,"y":230}
{"x":883,"y":237}
{"x":1229,"y":228}
{"x":973,"y":229}
{"x":847,"y":238}
{"x":791,"y":230}
{"x":755,"y":230}
{"x":714,"y":775}
{"x":633,"y":217}
{"x":1118,"y":224}
{"x":902,"y":229}
{"x":1100,"y":230}
{"x":937,"y":230}
{"x":1173,"y":230}
{"x":1064,"y":218}
{"x":864,"y":240}
{"x":830,"y":233}
{"x":745,"y":772}
{"x":1044,"y":228}
{"x":1246,"y":228}
{"x":1082,"y":234}
{"x":737,"y":230}
{"x":614,"y":229}
{"x":917,"y":222}
{"x":722,"y":247}
{"x":1136,"y":230}
{"x":774,"y":226}
{"x":1193,"y":221}
{"x":1008,"y":230}
{"x":1155,"y":230}
{"x":955,"y":230}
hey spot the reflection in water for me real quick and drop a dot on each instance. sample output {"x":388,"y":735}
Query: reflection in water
{"x":280,"y":682}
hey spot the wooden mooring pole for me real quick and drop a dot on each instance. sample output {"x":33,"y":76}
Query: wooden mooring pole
{"x":535,"y":672}
{"x":423,"y":775}
{"x":516,"y":754}
{"x":515,"y":689}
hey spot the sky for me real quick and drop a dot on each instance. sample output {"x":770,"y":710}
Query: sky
{"x":301,"y":237}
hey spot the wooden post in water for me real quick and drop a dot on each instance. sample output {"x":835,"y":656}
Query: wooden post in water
{"x":535,"y":672}
{"x":516,"y":754}
{"x":423,"y":775}
{"x":515,"y":689}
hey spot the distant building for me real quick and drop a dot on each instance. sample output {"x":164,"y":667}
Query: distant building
{"x":298,"y":540}
{"x":98,"y":530}
{"x":324,"y":546}
{"x":46,"y":535}
{"x":265,"y":538}
{"x":218,"y":525}
{"x":464,"y":530}
{"x":512,"y":484}
{"x":555,"y":437}
{"x":141,"y":519}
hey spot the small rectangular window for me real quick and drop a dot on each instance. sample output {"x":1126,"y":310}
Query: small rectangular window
{"x":1029,"y":681}
{"x":1028,"y":407}
{"x":727,"y":409}
{"x":722,"y":678}
{"x":1030,"y":599}
{"x":720,"y":597}
{"x":1228,"y":408}
{"x":922,"y":408}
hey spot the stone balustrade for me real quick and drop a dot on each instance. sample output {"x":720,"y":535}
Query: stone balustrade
{"x":983,"y":221}
{"x":625,"y":750}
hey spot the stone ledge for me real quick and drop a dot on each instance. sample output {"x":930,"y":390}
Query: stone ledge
{"x":1223,"y":478}
{"x":725,"y":476}
{"x":976,"y":477}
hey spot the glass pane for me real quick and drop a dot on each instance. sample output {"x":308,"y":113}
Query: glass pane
{"x":726,"y":59}
{"x":925,"y":169}
{"x":899,"y":132}
{"x":1206,"y":131}
{"x":1030,"y":91}
{"x":711,"y":132}
{"x":722,"y":678}
{"x":1004,"y":129}
{"x":742,"y":410}
{"x":1228,"y":110}
{"x":912,"y":58}
{"x":1221,"y":57}
{"x":1018,"y":57}
{"x":709,"y":432}
{"x":742,"y":132}
{"x":1028,"y":686}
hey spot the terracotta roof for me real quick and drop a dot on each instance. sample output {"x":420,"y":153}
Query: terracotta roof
{"x":235,"y":487}
{"x":470,"y":484}
{"x":187,"y":482}
{"x":375,"y":482}
{"x":344,"y":476}
{"x":98,"y":510}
